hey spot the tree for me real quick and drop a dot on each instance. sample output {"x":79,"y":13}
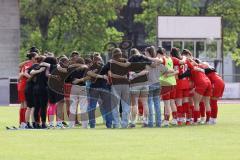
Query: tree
{"x":62,"y":26}
{"x":41,"y":12}
{"x":230,"y":11}
{"x":153,"y":8}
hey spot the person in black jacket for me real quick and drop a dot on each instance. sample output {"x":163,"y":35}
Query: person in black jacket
{"x":29,"y":91}
{"x":40,"y":92}
{"x":99,"y":92}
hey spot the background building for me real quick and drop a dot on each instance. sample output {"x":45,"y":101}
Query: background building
{"x":9,"y":46}
{"x":9,"y":37}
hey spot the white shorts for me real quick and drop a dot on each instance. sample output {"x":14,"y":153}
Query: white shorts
{"x":139,"y":90}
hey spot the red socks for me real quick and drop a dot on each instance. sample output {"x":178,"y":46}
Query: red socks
{"x":166,"y":117}
{"x":214,"y":108}
{"x":202,"y":109}
{"x":140,"y":108}
{"x":180,"y":111}
{"x":196,"y":115}
{"x":174,"y":115}
{"x":191,"y":111}
{"x":22,"y":112}
{"x":186,"y":110}
{"x":208,"y":113}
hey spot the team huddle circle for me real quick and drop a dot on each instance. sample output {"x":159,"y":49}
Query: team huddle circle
{"x":153,"y":88}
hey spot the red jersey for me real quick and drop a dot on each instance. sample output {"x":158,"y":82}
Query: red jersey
{"x":214,"y":78}
{"x":181,"y":83}
{"x":198,"y":77}
{"x":25,"y":67}
{"x":218,"y":84}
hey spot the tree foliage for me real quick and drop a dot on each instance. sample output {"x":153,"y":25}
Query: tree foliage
{"x":62,"y":26}
{"x":154,"y":8}
{"x":230,"y":11}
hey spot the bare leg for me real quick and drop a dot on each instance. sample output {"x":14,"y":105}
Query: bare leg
{"x":197,"y":99}
{"x":134,"y":108}
{"x":144,"y":100}
{"x":67,"y":102}
{"x":60,"y":111}
{"x":32,"y":115}
{"x":173,"y":105}
{"x":167,"y":112}
{"x":27,"y":115}
{"x":167,"y":107}
{"x":206,"y":101}
{"x":73,"y":109}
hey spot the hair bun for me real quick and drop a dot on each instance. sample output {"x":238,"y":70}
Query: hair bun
{"x":34,"y":49}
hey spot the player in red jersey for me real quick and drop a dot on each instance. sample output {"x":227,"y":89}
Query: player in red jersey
{"x":203,"y":89}
{"x":188,"y":102}
{"x":189,"y":107}
{"x":23,"y":77}
{"x":218,"y":86}
{"x":182,"y":88}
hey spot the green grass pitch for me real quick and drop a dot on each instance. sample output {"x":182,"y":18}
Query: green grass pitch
{"x":219,"y":142}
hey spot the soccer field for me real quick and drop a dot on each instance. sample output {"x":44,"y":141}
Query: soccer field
{"x":219,"y":142}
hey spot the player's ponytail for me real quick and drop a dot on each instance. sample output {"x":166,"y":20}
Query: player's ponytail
{"x":33,"y":49}
{"x":31,"y":55}
{"x":161,"y":51}
{"x":175,"y":53}
{"x":186,"y":52}
{"x":151,"y":51}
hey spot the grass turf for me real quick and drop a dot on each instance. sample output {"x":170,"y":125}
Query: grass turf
{"x":219,"y":142}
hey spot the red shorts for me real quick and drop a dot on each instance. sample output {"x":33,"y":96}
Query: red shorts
{"x":21,"y":96}
{"x":21,"y":92}
{"x":181,"y":93}
{"x":169,"y":95}
{"x":67,"y":90}
{"x":218,"y":89}
{"x":204,"y":89}
{"x":166,"y":89}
